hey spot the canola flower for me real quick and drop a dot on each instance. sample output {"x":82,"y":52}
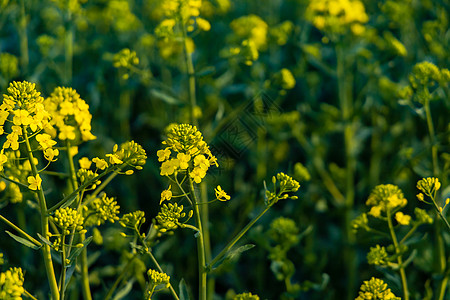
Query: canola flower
{"x":385,"y":197}
{"x":375,"y":289}
{"x":11,"y":284}
{"x":246,"y":296}
{"x":185,"y":152}
{"x":100,"y":210}
{"x":156,"y":279}
{"x":338,"y":16}
{"x":71,"y":119}
{"x":170,"y":215}
{"x":67,"y":219}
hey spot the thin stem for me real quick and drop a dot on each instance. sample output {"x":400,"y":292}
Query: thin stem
{"x":46,"y":251}
{"x":200,"y":245}
{"x":191,"y":74}
{"x":236,"y":238}
{"x":119,"y":279}
{"x":399,"y":257}
{"x":83,"y":255}
{"x":172,"y":291}
{"x":63,"y":266}
{"x":434,"y":149}
{"x":37,"y":243}
{"x":27,"y":293}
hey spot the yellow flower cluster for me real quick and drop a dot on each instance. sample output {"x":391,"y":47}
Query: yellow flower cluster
{"x":385,"y":197}
{"x":375,"y":289}
{"x":11,"y":284}
{"x":286,"y":185}
{"x":70,"y":115}
{"x":252,"y":31}
{"x":158,"y":278}
{"x":100,"y":210}
{"x":133,"y":220}
{"x":193,"y":156}
{"x":246,"y":296}
{"x":170,"y":215}
{"x":25,"y":104}
{"x":377,"y":256}
{"x":68,"y":218}
{"x":336,"y":16}
{"x":429,"y":186}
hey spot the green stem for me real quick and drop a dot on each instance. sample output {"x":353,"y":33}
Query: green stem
{"x":200,"y":245}
{"x":434,"y":149}
{"x":37,"y":243}
{"x":46,"y":251}
{"x":24,"y":59}
{"x":399,"y":257}
{"x":68,"y":47}
{"x":83,"y":256}
{"x":172,"y":291}
{"x":191,"y":74}
{"x":62,"y":279}
{"x":236,"y":239}
{"x":27,"y":293}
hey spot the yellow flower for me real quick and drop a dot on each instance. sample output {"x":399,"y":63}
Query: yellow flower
{"x":34,"y":182}
{"x":45,"y":140}
{"x":184,"y":160}
{"x":163,"y":155}
{"x":21,"y":117}
{"x":100,"y":163}
{"x":67,"y":132}
{"x":50,"y":154}
{"x":375,"y":211}
{"x":166,"y":195}
{"x":221,"y":195}
{"x":169,"y":167}
{"x":114,"y":159}
{"x":201,"y":162}
{"x":402,"y":219}
{"x":85,"y":163}
{"x":11,"y":141}
{"x":197,"y":174}
{"x":3,"y":159}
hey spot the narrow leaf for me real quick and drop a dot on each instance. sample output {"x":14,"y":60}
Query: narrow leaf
{"x":69,"y":201}
{"x":124,"y":291}
{"x":184,"y":294}
{"x":234,"y":253}
{"x":165,"y":97}
{"x":22,"y":240}
{"x":45,"y":240}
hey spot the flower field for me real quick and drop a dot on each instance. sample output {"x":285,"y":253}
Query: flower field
{"x":219,"y":149}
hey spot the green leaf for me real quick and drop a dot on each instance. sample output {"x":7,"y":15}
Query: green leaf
{"x":74,"y":254}
{"x":45,"y":240}
{"x":184,"y":294}
{"x":124,"y":291}
{"x":69,"y":201}
{"x":165,"y":97}
{"x":23,"y":241}
{"x":233,"y":254}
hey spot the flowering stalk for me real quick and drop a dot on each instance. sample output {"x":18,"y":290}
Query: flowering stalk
{"x":399,"y":257}
{"x":200,"y":245}
{"x":83,"y":256}
{"x":44,"y":223}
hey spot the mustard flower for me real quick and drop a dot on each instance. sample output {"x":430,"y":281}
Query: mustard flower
{"x":155,"y":279}
{"x":85,"y":175}
{"x":197,"y":174}
{"x":11,"y":284}
{"x":34,"y":182}
{"x":422,"y":217}
{"x":377,"y":256}
{"x":221,"y":195}
{"x":201,"y":162}
{"x":50,"y":154}
{"x":374,"y":289}
{"x":169,"y":216}
{"x":166,"y":195}
{"x":284,"y":232}
{"x":85,"y":163}
{"x":402,"y":219}
{"x":100,"y":210}
{"x":163,"y":154}
{"x":70,"y":115}
{"x":169,"y":167}
{"x":429,"y":186}
{"x":338,"y":16}
{"x":246,"y":296}
{"x":132,"y":154}
{"x":45,"y":140}
{"x":183,"y":160}
{"x":100,"y":163}
{"x":251,"y":28}
{"x":384,"y":197}
{"x":67,"y":219}
{"x":133,"y":220}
